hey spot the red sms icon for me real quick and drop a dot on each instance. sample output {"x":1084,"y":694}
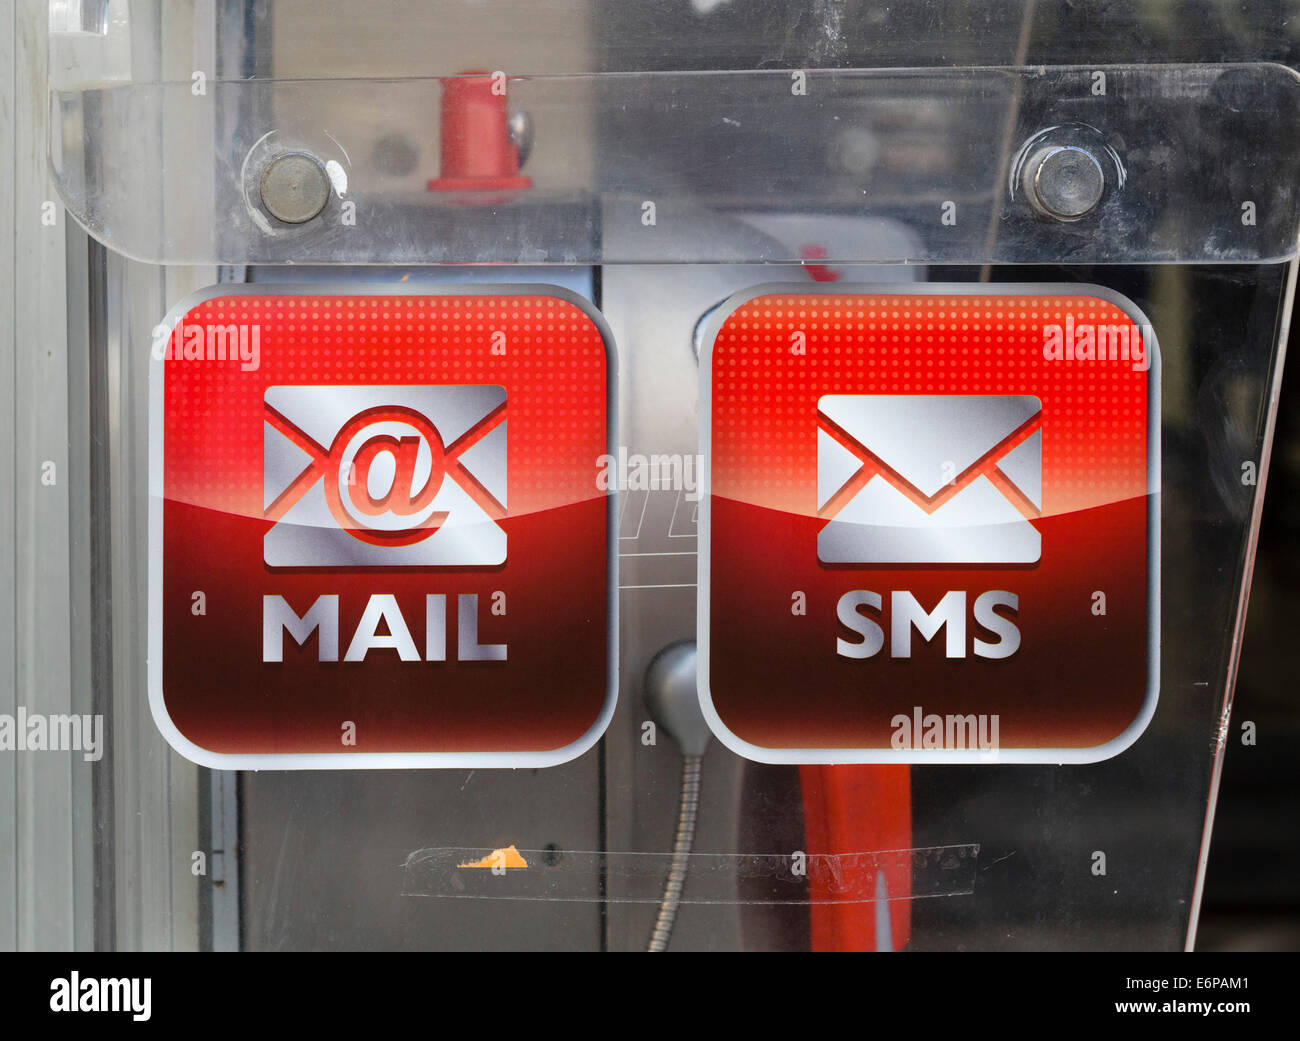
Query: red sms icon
{"x":931,"y":524}
{"x":379,"y":538}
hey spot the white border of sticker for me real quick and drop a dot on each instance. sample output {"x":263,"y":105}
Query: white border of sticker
{"x":344,"y":760}
{"x":1092,"y":754}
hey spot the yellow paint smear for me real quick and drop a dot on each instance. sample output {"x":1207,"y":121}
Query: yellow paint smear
{"x":498,"y":858}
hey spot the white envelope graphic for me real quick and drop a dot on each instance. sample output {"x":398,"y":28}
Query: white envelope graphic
{"x":455,"y":437}
{"x":929,"y":479}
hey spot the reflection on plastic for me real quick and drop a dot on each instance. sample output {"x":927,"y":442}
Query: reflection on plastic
{"x":713,"y":878}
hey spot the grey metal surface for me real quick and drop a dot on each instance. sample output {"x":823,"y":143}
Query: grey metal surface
{"x":221,"y":920}
{"x":652,"y":312}
{"x":88,"y":584}
{"x":148,"y":872}
{"x":8,"y":507}
{"x":154,"y":791}
{"x":46,"y":848}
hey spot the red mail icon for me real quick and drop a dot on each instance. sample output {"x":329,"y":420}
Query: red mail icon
{"x":929,"y":479}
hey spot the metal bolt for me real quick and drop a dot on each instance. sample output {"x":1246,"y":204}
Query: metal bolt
{"x":295,"y":187}
{"x":1064,"y":181}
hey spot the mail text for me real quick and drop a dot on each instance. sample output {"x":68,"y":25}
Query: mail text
{"x":381,"y":611}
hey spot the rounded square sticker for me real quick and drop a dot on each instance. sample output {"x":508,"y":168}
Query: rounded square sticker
{"x":931,"y":524}
{"x":376,"y":533}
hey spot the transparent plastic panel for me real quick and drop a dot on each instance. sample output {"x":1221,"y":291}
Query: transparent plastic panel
{"x":684,"y":167}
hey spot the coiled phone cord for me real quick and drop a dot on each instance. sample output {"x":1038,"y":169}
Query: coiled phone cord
{"x":688,"y":810}
{"x":671,"y":696}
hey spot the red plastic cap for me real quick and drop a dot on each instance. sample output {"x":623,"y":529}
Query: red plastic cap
{"x":477,"y":153}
